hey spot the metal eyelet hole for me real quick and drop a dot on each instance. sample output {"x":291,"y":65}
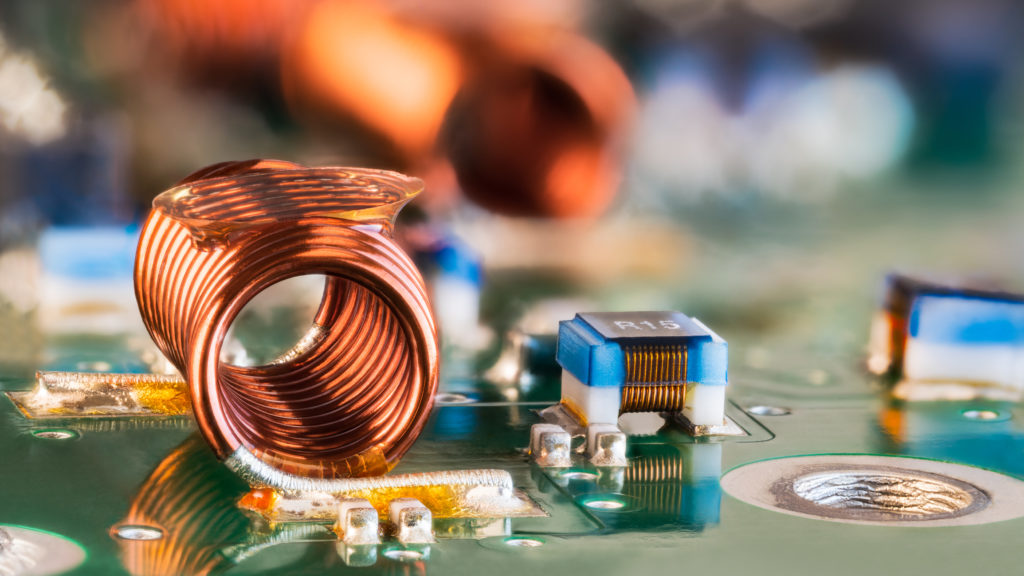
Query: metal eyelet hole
{"x":764,"y":410}
{"x":877,"y":490}
{"x":55,"y":434}
{"x":986,"y":415}
{"x":403,"y":555}
{"x":523,"y":542}
{"x":451,"y":398}
{"x":578,"y":475}
{"x":138,"y":532}
{"x":606,"y":503}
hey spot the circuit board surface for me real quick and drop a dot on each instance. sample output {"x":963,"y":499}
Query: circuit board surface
{"x":793,"y":302}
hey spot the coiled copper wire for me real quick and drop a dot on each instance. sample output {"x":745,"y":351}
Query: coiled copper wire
{"x":356,"y":393}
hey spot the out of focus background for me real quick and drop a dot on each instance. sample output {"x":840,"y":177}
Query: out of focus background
{"x":757,"y":163}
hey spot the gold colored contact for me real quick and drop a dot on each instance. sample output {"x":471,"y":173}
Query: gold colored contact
{"x":652,"y":398}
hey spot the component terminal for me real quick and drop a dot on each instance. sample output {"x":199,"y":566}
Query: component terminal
{"x":412,"y":521}
{"x":606,"y":444}
{"x":550,"y":446}
{"x":357,"y":522}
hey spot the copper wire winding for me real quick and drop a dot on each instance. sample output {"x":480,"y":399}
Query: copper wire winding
{"x":355,"y":396}
{"x":655,"y":379}
{"x":652,"y":398}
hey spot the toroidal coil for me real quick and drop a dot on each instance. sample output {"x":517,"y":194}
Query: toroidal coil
{"x":353,"y":395}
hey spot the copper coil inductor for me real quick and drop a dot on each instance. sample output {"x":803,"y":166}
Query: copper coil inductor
{"x":354,"y":394}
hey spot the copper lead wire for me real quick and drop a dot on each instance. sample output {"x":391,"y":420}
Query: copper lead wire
{"x":351,"y":398}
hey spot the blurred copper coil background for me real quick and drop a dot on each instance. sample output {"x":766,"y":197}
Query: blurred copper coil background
{"x":528,"y":114}
{"x":539,"y":128}
{"x":354,"y":396}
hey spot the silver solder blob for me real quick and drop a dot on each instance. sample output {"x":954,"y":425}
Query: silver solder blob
{"x":259,"y":473}
{"x":887,"y":491}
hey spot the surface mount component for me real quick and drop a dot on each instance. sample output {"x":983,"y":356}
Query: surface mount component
{"x":935,"y":333}
{"x":620,"y":362}
{"x":352,"y":397}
